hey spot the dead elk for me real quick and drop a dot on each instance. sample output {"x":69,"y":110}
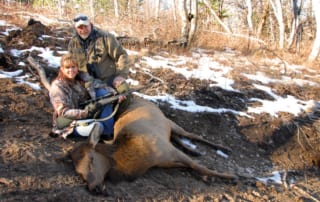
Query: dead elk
{"x":141,"y":141}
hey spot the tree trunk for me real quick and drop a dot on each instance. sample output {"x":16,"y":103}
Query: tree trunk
{"x":209,"y":6}
{"x":277,"y":9}
{"x":61,"y":7}
{"x":295,"y":22}
{"x":157,"y":8}
{"x":129,"y":8}
{"x":146,"y":9}
{"x":91,"y":7}
{"x":184,"y":22}
{"x":316,"y":44}
{"x":174,"y":11}
{"x":263,"y":19}
{"x":249,"y":15}
{"x":116,"y":8}
{"x":193,"y":18}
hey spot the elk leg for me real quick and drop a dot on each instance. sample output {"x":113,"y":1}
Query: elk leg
{"x":188,"y":149}
{"x":176,"y":158}
{"x":180,"y":131}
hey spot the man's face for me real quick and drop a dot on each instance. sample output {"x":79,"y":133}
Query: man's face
{"x":84,"y":31}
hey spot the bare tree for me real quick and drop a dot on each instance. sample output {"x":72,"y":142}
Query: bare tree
{"x":263,"y":18}
{"x":91,"y":6}
{"x":295,"y":21}
{"x":61,"y":4}
{"x":129,"y":8}
{"x":116,"y":8}
{"x":277,"y":9}
{"x":132,"y":8}
{"x":249,"y":15}
{"x":157,"y":8}
{"x":182,"y":7}
{"x":146,"y":9}
{"x":188,"y":14}
{"x":193,"y":18}
{"x":209,"y":6}
{"x":174,"y":11}
{"x":316,"y":44}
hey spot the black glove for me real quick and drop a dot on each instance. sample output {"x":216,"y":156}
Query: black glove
{"x":93,"y":109}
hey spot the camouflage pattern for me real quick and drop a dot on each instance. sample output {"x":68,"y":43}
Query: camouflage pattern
{"x":65,"y":97}
{"x":101,"y":55}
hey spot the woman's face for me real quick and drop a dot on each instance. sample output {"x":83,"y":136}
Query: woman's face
{"x":70,"y":71}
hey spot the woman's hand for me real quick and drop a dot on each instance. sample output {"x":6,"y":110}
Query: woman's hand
{"x":92,"y":108}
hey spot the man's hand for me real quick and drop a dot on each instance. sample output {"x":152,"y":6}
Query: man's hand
{"x":122,"y":86}
{"x":118,"y":81}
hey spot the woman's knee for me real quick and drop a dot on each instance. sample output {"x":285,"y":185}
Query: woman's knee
{"x":86,"y":130}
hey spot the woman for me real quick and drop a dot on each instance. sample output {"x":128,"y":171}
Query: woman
{"x":66,"y":94}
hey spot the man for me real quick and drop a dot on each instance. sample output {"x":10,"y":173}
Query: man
{"x":100,"y":56}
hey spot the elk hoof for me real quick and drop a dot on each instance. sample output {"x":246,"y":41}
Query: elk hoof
{"x":99,"y":190}
{"x":205,"y":178}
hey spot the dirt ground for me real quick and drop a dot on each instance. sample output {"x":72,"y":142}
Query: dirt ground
{"x":263,"y":144}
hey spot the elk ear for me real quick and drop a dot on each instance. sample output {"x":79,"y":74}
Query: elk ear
{"x":95,"y":134}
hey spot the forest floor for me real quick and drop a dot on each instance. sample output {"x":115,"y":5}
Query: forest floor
{"x":286,"y":144}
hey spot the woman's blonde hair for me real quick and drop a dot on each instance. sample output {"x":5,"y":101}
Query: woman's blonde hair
{"x":68,"y":60}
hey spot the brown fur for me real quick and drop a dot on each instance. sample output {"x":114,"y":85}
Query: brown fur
{"x":141,"y":141}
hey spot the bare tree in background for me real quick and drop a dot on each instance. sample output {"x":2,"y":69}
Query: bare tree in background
{"x":277,"y":9}
{"x":216,"y":17}
{"x":116,"y":8}
{"x":249,"y":15}
{"x":183,"y":12}
{"x":174,"y":11}
{"x":263,"y":18}
{"x":146,"y":9}
{"x":188,"y":11}
{"x":61,"y":4}
{"x":157,"y":8}
{"x":132,"y":8}
{"x":91,"y":7}
{"x":316,"y":44}
{"x":295,"y":21}
{"x":193,"y":18}
{"x":275,"y":18}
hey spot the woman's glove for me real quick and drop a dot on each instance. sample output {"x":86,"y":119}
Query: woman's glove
{"x":93,"y":109}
